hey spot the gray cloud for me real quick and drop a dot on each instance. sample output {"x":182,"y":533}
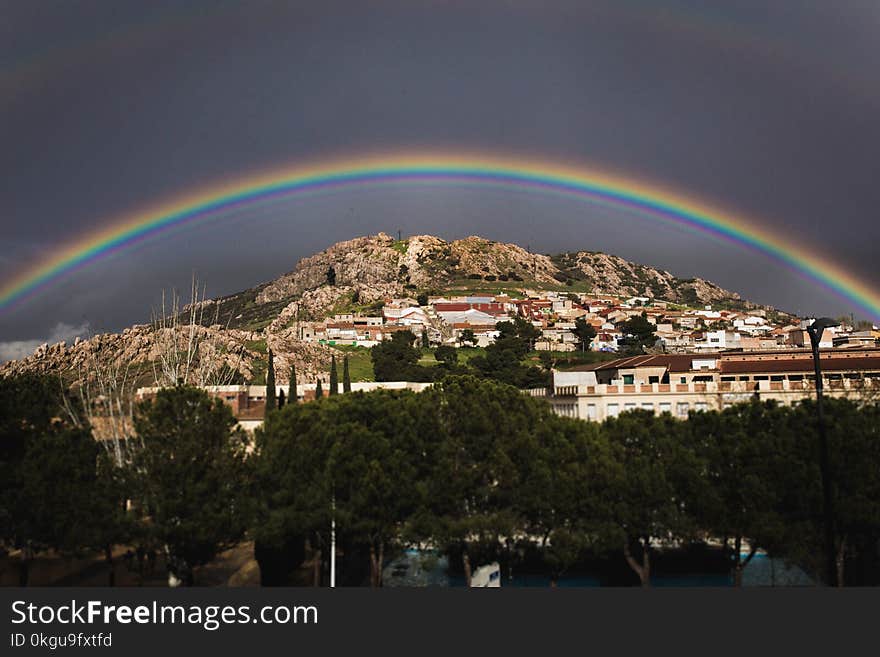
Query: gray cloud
{"x":18,"y":349}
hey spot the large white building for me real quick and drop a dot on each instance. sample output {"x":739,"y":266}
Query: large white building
{"x":681,"y":383}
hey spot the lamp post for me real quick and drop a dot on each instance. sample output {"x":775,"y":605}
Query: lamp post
{"x":816,"y":329}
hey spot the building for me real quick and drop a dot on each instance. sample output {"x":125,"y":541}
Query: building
{"x":248,"y":403}
{"x":681,"y":383}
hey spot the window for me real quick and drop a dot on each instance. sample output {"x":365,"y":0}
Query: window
{"x":629,"y":406}
{"x":647,"y":406}
{"x":682,"y":409}
{"x":777,"y":377}
{"x":743,"y":378}
{"x":761,"y":378}
{"x":728,"y":378}
{"x":701,"y":407}
{"x":567,"y":410}
{"x":591,"y":411}
{"x":684,"y":379}
{"x":703,"y":378}
{"x":665,"y":407}
{"x":613,"y":410}
{"x":653,"y":379}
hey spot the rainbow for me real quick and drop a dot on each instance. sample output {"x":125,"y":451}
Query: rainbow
{"x":504,"y":171}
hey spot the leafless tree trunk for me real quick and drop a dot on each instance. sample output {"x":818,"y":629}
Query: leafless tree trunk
{"x":105,"y":384}
{"x":740,"y":563}
{"x":24,"y":566}
{"x":184,"y":354}
{"x":377,"y":558}
{"x":317,"y":562}
{"x":643,"y":570}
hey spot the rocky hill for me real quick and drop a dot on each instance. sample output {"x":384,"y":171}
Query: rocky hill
{"x":357,"y":276}
{"x":358,"y":273}
{"x":221,"y":356}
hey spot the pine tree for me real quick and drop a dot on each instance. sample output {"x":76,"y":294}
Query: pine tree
{"x":319,"y":390}
{"x":334,"y":376}
{"x":270,"y":384}
{"x":292,"y":395}
{"x":346,"y":377}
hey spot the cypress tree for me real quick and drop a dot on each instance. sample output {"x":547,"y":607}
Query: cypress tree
{"x":319,"y":390}
{"x":346,"y":377}
{"x":270,"y":384}
{"x":281,"y":398}
{"x":292,"y":395}
{"x":334,"y":376}
{"x":426,"y":343}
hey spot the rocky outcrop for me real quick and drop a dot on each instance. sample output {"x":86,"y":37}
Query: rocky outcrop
{"x":378,"y":267}
{"x":365,"y":263}
{"x":140,"y":348}
{"x":609,"y":274}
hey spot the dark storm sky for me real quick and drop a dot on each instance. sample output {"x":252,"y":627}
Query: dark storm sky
{"x":769,"y":109}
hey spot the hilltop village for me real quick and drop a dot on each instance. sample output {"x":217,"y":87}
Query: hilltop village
{"x":605,"y":354}
{"x":472,"y":321}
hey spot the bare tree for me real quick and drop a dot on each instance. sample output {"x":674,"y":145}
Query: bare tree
{"x":185,"y":354}
{"x":105,"y":385}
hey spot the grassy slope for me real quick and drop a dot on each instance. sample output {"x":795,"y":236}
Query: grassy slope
{"x":361,"y":366}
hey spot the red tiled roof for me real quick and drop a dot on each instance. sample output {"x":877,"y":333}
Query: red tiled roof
{"x":870,"y":363}
{"x":745,"y":362}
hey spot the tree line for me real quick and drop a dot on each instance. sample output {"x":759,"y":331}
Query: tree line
{"x":471,"y":467}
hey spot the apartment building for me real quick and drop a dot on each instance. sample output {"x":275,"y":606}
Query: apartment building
{"x":681,"y":383}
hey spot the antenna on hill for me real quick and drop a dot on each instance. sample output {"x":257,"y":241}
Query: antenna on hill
{"x":399,"y":238}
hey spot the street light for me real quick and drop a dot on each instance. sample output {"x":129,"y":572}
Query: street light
{"x":816,"y":329}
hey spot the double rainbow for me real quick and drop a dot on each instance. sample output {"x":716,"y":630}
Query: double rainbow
{"x":506,"y":172}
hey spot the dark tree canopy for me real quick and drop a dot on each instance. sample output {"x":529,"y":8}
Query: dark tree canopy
{"x":468,"y":337}
{"x":638,"y":333}
{"x":334,"y":377}
{"x":503,"y":358}
{"x":446,"y":355}
{"x":397,"y":359}
{"x":55,"y":488}
{"x":346,"y":376}
{"x":270,"y":384}
{"x":584,"y":332}
{"x":190,"y":477}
